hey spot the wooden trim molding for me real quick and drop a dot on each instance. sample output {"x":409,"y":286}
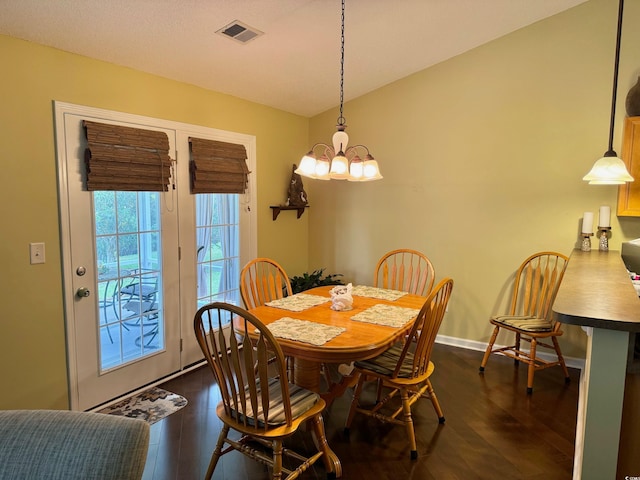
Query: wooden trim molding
{"x":629,"y":193}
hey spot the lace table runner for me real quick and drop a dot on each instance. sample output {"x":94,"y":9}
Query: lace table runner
{"x":304,"y":331}
{"x":374,"y":292}
{"x":387,"y":315}
{"x":297,"y":302}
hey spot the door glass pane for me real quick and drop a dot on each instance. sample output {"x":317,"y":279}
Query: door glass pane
{"x":218,"y":250}
{"x":128,"y":253}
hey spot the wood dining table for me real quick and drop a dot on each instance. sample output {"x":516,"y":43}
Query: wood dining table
{"x":358,"y":341}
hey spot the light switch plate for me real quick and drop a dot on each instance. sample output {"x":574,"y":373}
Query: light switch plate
{"x":36,"y":252}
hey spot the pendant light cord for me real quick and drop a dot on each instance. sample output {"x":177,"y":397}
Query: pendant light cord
{"x":615,"y":81}
{"x":341,"y":119}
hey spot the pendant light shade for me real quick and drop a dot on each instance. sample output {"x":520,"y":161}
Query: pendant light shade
{"x":370,"y":170}
{"x":339,"y":161}
{"x":323,"y":165}
{"x":610,"y":169}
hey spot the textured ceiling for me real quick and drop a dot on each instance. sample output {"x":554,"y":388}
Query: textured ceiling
{"x":295,"y":65}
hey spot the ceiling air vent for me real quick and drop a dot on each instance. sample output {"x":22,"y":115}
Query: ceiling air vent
{"x":240,"y":32}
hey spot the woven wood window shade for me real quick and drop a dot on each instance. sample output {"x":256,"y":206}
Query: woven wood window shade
{"x":218,"y":167}
{"x":125,"y":158}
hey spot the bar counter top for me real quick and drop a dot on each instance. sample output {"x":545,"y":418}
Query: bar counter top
{"x":596,"y":291}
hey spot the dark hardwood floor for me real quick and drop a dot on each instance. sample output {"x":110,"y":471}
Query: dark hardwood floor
{"x":493,"y":429}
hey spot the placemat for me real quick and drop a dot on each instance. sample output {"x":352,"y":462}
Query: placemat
{"x":304,"y":331}
{"x":374,"y":292}
{"x":387,"y":315}
{"x":298,"y":302}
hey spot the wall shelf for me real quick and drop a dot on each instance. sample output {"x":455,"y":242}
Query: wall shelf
{"x":278,"y":208}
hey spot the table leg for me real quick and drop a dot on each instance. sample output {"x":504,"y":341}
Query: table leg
{"x":306,"y":374}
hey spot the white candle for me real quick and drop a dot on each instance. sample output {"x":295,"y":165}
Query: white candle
{"x":587,"y":222}
{"x":605,"y":217}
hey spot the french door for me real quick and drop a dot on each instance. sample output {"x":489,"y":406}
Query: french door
{"x":138,"y":264}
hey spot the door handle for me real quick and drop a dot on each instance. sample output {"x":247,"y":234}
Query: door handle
{"x":83,"y":292}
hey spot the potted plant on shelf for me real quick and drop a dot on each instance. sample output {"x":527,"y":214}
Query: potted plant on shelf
{"x":300,"y":283}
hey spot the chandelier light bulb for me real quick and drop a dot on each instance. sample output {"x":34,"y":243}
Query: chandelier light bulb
{"x":371,"y":171}
{"x":339,"y":167}
{"x":322,"y":168}
{"x":307,"y":165}
{"x":356,"y":169}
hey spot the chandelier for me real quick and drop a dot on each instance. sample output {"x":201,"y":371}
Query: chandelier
{"x":339,"y":161}
{"x":610,"y":169}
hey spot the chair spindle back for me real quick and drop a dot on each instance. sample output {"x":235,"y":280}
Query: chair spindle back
{"x":536,"y":284}
{"x":240,"y":364}
{"x":405,"y":270}
{"x":424,"y":330}
{"x":263,"y":280}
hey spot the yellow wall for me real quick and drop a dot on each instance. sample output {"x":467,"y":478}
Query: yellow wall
{"x":33,"y":366}
{"x":483,"y":157}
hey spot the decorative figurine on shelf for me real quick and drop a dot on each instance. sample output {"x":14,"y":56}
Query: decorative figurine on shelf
{"x":297,"y":197}
{"x":341,"y":298}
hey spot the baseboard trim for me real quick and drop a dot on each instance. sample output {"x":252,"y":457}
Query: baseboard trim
{"x":572,"y":362}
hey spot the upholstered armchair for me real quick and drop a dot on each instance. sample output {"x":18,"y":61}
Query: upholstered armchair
{"x":61,"y":444}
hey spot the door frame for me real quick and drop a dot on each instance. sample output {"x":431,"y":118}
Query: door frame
{"x":187,"y":279}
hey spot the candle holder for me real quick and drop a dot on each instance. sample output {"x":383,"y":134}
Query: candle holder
{"x":603,"y":234}
{"x":586,"y":242}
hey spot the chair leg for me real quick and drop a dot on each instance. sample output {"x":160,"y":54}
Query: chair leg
{"x":354,"y":402}
{"x":434,"y":401}
{"x":277,"y":459}
{"x":379,"y":391}
{"x":217,"y":452}
{"x":517,"y":348}
{"x":532,"y":365}
{"x":487,"y":352}
{"x":331,"y":462}
{"x":408,"y":422}
{"x":556,"y":345}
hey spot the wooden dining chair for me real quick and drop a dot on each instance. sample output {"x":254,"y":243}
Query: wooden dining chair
{"x":405,"y":270}
{"x":264,"y":409}
{"x":405,"y":368}
{"x":263,"y":280}
{"x":529,"y":316}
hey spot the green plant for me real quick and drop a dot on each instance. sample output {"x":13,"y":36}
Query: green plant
{"x":300,"y":283}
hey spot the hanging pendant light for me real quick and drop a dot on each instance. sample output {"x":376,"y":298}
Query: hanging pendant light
{"x":339,"y":161}
{"x":610,"y":169}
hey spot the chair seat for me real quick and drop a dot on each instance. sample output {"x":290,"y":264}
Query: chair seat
{"x":385,"y":363}
{"x":525,"y":323}
{"x":146,"y":291}
{"x":302,"y":401}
